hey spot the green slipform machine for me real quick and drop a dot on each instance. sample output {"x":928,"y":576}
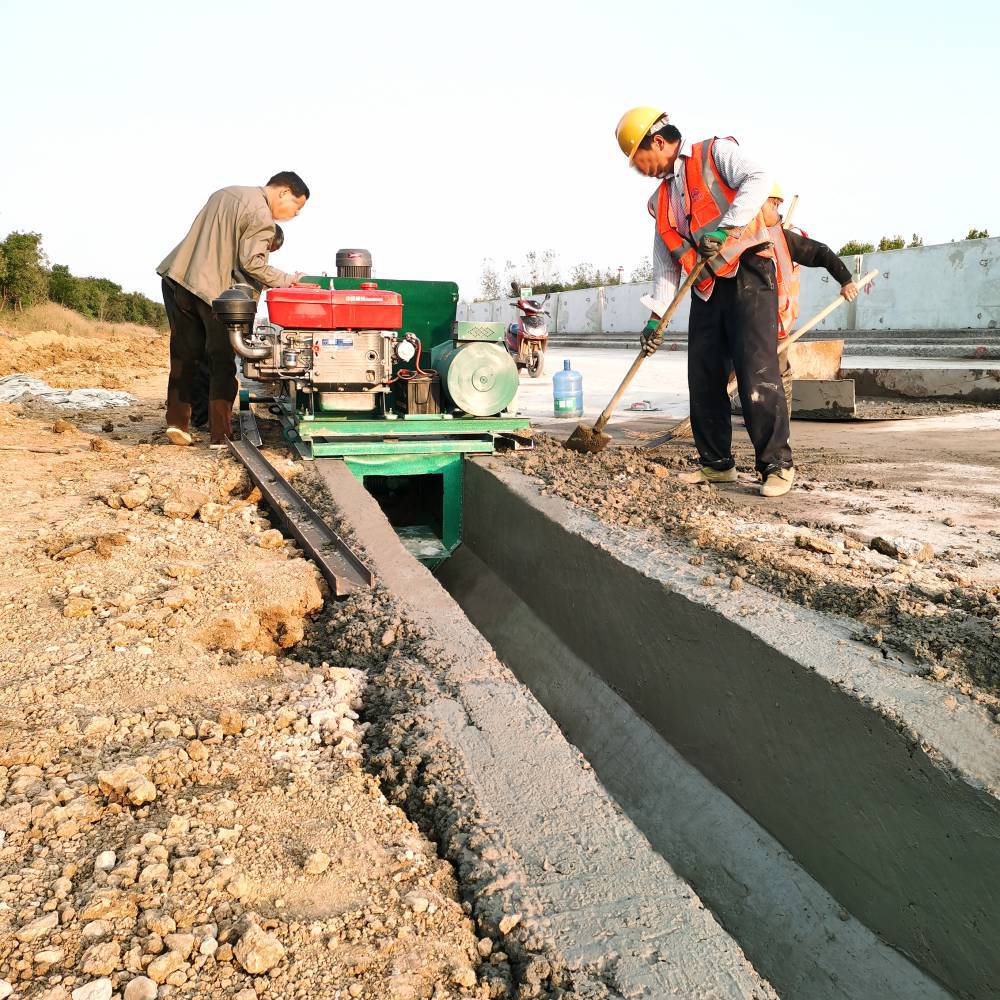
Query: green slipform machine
{"x":380,"y":374}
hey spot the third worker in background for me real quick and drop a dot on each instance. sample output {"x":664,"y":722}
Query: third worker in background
{"x":709,"y":205}
{"x":792,"y":248}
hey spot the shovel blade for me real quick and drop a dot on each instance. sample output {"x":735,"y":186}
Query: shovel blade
{"x":587,"y":440}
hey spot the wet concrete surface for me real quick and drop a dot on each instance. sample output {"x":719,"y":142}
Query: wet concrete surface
{"x":530,"y":829}
{"x":793,"y":930}
{"x":662,"y":380}
{"x":882,"y":794}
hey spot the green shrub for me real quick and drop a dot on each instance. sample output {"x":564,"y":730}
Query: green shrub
{"x":24,"y":279}
{"x":891,"y":243}
{"x":855,"y":246}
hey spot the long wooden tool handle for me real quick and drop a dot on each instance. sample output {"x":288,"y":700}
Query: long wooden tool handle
{"x":791,"y":211}
{"x":683,"y":429}
{"x":823,"y":313}
{"x":605,"y":416}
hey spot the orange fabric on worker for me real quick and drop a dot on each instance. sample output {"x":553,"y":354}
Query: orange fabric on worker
{"x":788,"y":282}
{"x":708,"y":199}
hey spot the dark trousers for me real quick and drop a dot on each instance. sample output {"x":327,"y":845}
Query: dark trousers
{"x":737,"y":330}
{"x":197,"y":337}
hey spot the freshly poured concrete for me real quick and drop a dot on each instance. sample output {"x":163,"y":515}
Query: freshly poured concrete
{"x":548,"y":842}
{"x":791,"y":928}
{"x":662,"y":380}
{"x":884,"y":794}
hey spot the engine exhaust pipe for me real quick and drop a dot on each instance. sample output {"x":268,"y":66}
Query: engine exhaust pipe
{"x":243,"y":349}
{"x":236,"y":309}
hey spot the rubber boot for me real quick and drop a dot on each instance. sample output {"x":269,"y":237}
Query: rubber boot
{"x":178,"y":415}
{"x":220,"y":420}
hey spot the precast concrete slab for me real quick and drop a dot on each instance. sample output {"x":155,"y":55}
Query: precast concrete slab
{"x":880,"y":786}
{"x":536,"y":839}
{"x":823,"y":399}
{"x":973,"y":385}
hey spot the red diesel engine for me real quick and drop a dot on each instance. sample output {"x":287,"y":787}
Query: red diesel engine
{"x":337,"y":344}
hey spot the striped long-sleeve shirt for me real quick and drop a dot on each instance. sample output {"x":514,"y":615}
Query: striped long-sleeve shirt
{"x":752,"y":184}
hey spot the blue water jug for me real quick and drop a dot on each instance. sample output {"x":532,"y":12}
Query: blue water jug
{"x":567,"y":392}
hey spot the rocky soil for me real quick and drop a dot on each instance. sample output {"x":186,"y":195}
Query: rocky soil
{"x":184,"y":807}
{"x":925,"y":607}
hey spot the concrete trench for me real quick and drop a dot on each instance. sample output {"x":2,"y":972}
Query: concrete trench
{"x":839,"y":823}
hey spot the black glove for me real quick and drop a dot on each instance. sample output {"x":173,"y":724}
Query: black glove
{"x":650,"y":340}
{"x":711,"y":243}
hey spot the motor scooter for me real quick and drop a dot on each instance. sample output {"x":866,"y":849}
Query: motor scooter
{"x":527,"y":339}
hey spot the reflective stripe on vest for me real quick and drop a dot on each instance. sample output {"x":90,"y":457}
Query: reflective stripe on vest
{"x":708,"y":198}
{"x":788,"y":282}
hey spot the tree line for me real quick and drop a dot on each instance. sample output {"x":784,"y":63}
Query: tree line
{"x":26,"y":279}
{"x":539,"y":271}
{"x":897,"y":243}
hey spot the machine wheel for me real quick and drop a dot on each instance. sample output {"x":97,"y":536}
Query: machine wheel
{"x":536,"y":364}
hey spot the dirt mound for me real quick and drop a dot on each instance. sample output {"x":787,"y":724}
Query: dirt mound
{"x":70,"y":351}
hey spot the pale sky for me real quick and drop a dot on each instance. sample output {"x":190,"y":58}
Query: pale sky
{"x":436,"y":134}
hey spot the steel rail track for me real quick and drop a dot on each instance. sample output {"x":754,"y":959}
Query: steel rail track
{"x":337,"y":561}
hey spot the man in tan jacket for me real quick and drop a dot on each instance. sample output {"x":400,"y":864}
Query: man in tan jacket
{"x":228,"y":243}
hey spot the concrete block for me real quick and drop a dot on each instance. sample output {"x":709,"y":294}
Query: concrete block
{"x":816,"y":358}
{"x":974,"y":385}
{"x":823,"y":399}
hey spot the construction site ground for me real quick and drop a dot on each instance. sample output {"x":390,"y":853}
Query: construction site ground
{"x":183,"y":801}
{"x":188,"y":803}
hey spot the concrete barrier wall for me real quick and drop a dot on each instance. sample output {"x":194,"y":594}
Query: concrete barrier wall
{"x":950,"y":286}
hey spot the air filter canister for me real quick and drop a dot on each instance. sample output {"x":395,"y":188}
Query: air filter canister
{"x":354,"y":264}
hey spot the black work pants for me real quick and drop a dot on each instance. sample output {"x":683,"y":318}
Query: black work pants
{"x":196,"y":337}
{"x":737,"y":330}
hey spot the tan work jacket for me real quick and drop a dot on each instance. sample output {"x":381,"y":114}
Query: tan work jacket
{"x":226,"y":244}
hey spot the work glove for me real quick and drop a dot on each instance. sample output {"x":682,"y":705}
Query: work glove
{"x":711,"y":243}
{"x":650,"y":340}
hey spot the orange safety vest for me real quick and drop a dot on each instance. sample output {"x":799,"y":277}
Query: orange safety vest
{"x":788,"y":282}
{"x":708,"y":199}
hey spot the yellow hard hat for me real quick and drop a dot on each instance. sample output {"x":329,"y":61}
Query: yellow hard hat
{"x":633,"y":126}
{"x":776,"y":192}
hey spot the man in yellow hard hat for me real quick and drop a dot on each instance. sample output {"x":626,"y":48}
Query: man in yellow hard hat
{"x":793,"y":248}
{"x":708,"y":206}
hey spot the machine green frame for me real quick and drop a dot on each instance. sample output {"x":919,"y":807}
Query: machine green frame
{"x":452,"y":471}
{"x":393,"y":445}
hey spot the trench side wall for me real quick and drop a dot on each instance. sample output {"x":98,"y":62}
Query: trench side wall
{"x":901,"y":841}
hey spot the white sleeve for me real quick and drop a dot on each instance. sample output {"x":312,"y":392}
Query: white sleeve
{"x":752,"y":182}
{"x":666,"y":272}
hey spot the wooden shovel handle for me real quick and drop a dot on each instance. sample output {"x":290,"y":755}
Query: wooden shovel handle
{"x":605,"y":416}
